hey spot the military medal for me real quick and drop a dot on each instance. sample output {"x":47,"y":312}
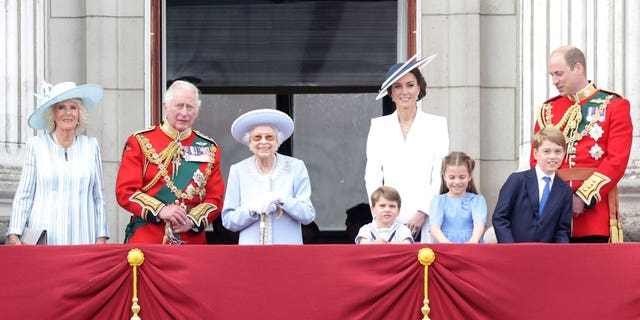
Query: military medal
{"x":596,"y":152}
{"x":197,"y":154}
{"x":591,"y":111}
{"x":198,"y":177}
{"x":596,"y":132}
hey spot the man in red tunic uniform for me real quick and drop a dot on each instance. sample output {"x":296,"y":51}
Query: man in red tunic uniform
{"x":169,"y":177}
{"x":598,"y":130}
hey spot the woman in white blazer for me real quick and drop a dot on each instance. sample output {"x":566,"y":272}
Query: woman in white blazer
{"x":405,"y":148}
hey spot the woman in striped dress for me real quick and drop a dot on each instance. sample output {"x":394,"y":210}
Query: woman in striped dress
{"x":61,"y":189}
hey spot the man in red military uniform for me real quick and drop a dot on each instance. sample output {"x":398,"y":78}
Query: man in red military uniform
{"x":598,"y":131}
{"x":169,"y":177}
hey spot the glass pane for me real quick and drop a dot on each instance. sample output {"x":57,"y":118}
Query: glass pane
{"x":330,"y":136}
{"x":217,"y":113}
{"x":281,"y":43}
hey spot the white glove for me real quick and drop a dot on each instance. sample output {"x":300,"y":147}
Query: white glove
{"x":268,"y":208}
{"x":274,"y":197}
{"x":255,"y":208}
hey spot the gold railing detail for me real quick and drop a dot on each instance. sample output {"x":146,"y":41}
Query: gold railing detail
{"x":135,"y":259}
{"x":426,"y":257}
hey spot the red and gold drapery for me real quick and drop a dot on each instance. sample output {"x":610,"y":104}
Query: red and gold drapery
{"x":522,"y":281}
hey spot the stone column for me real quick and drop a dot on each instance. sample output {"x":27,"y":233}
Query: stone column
{"x":629,"y":72}
{"x":21,"y":74}
{"x":473,"y":82}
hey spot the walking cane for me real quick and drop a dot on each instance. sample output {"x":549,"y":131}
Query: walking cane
{"x":263,"y":222}
{"x":262,"y":226}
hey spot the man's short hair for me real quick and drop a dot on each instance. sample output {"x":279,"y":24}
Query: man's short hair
{"x":386,"y":192}
{"x":573,"y":56}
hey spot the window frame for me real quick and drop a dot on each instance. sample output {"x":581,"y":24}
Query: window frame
{"x":407,"y":8}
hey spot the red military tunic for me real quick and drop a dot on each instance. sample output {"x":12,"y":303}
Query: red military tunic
{"x":601,"y":141}
{"x":146,"y":182}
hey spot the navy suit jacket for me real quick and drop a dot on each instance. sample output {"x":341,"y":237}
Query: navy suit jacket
{"x":515,"y":218}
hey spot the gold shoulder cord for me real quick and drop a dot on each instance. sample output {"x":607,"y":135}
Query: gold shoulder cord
{"x":162,"y":161}
{"x":572,"y":118}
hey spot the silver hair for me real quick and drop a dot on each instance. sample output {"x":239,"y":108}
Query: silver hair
{"x":279,"y":135}
{"x":83,"y":117}
{"x":168,"y":96}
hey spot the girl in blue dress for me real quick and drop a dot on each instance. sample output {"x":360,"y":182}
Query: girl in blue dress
{"x":458,"y":214}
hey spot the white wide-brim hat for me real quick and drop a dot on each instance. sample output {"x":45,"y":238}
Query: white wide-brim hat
{"x":399,"y":70}
{"x":50,"y":95}
{"x":262,"y":117}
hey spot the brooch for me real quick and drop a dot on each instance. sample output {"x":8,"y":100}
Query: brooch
{"x":198,"y":177}
{"x":596,"y":152}
{"x":596,"y":132}
{"x":288,"y":167}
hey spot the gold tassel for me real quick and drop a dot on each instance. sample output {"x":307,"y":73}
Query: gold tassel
{"x":615,"y":231}
{"x":426,"y":257}
{"x":135,"y":258}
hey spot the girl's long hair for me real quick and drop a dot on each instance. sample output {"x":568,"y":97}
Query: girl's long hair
{"x":457,"y":158}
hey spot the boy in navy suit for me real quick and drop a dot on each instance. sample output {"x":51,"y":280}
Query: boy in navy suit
{"x":535,"y":205}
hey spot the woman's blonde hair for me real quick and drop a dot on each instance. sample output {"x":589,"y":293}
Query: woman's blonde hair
{"x":50,"y":116}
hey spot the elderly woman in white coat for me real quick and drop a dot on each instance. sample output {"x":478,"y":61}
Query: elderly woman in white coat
{"x":61,"y":189}
{"x":405,"y":148}
{"x":268,"y":195}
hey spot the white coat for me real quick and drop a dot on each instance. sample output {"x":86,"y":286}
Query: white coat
{"x":411,"y":166}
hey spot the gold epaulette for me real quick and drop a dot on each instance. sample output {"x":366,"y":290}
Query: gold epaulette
{"x":613,"y":93}
{"x":143,"y":131}
{"x":203,"y":136}
{"x":553,"y":99}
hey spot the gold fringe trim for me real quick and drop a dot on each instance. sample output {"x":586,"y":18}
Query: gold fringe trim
{"x":615,"y":231}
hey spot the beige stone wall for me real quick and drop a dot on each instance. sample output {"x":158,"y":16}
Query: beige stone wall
{"x":608,"y":32}
{"x":474,"y":82}
{"x":477,"y":81}
{"x":102,"y":42}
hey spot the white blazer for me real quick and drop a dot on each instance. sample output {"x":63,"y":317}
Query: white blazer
{"x":412,"y":166}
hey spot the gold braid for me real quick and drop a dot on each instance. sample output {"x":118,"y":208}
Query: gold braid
{"x":572,"y":118}
{"x":162,"y":159}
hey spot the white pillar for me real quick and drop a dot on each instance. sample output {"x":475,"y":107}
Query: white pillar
{"x":21,"y":70}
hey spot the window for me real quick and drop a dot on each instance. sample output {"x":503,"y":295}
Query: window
{"x":245,"y":46}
